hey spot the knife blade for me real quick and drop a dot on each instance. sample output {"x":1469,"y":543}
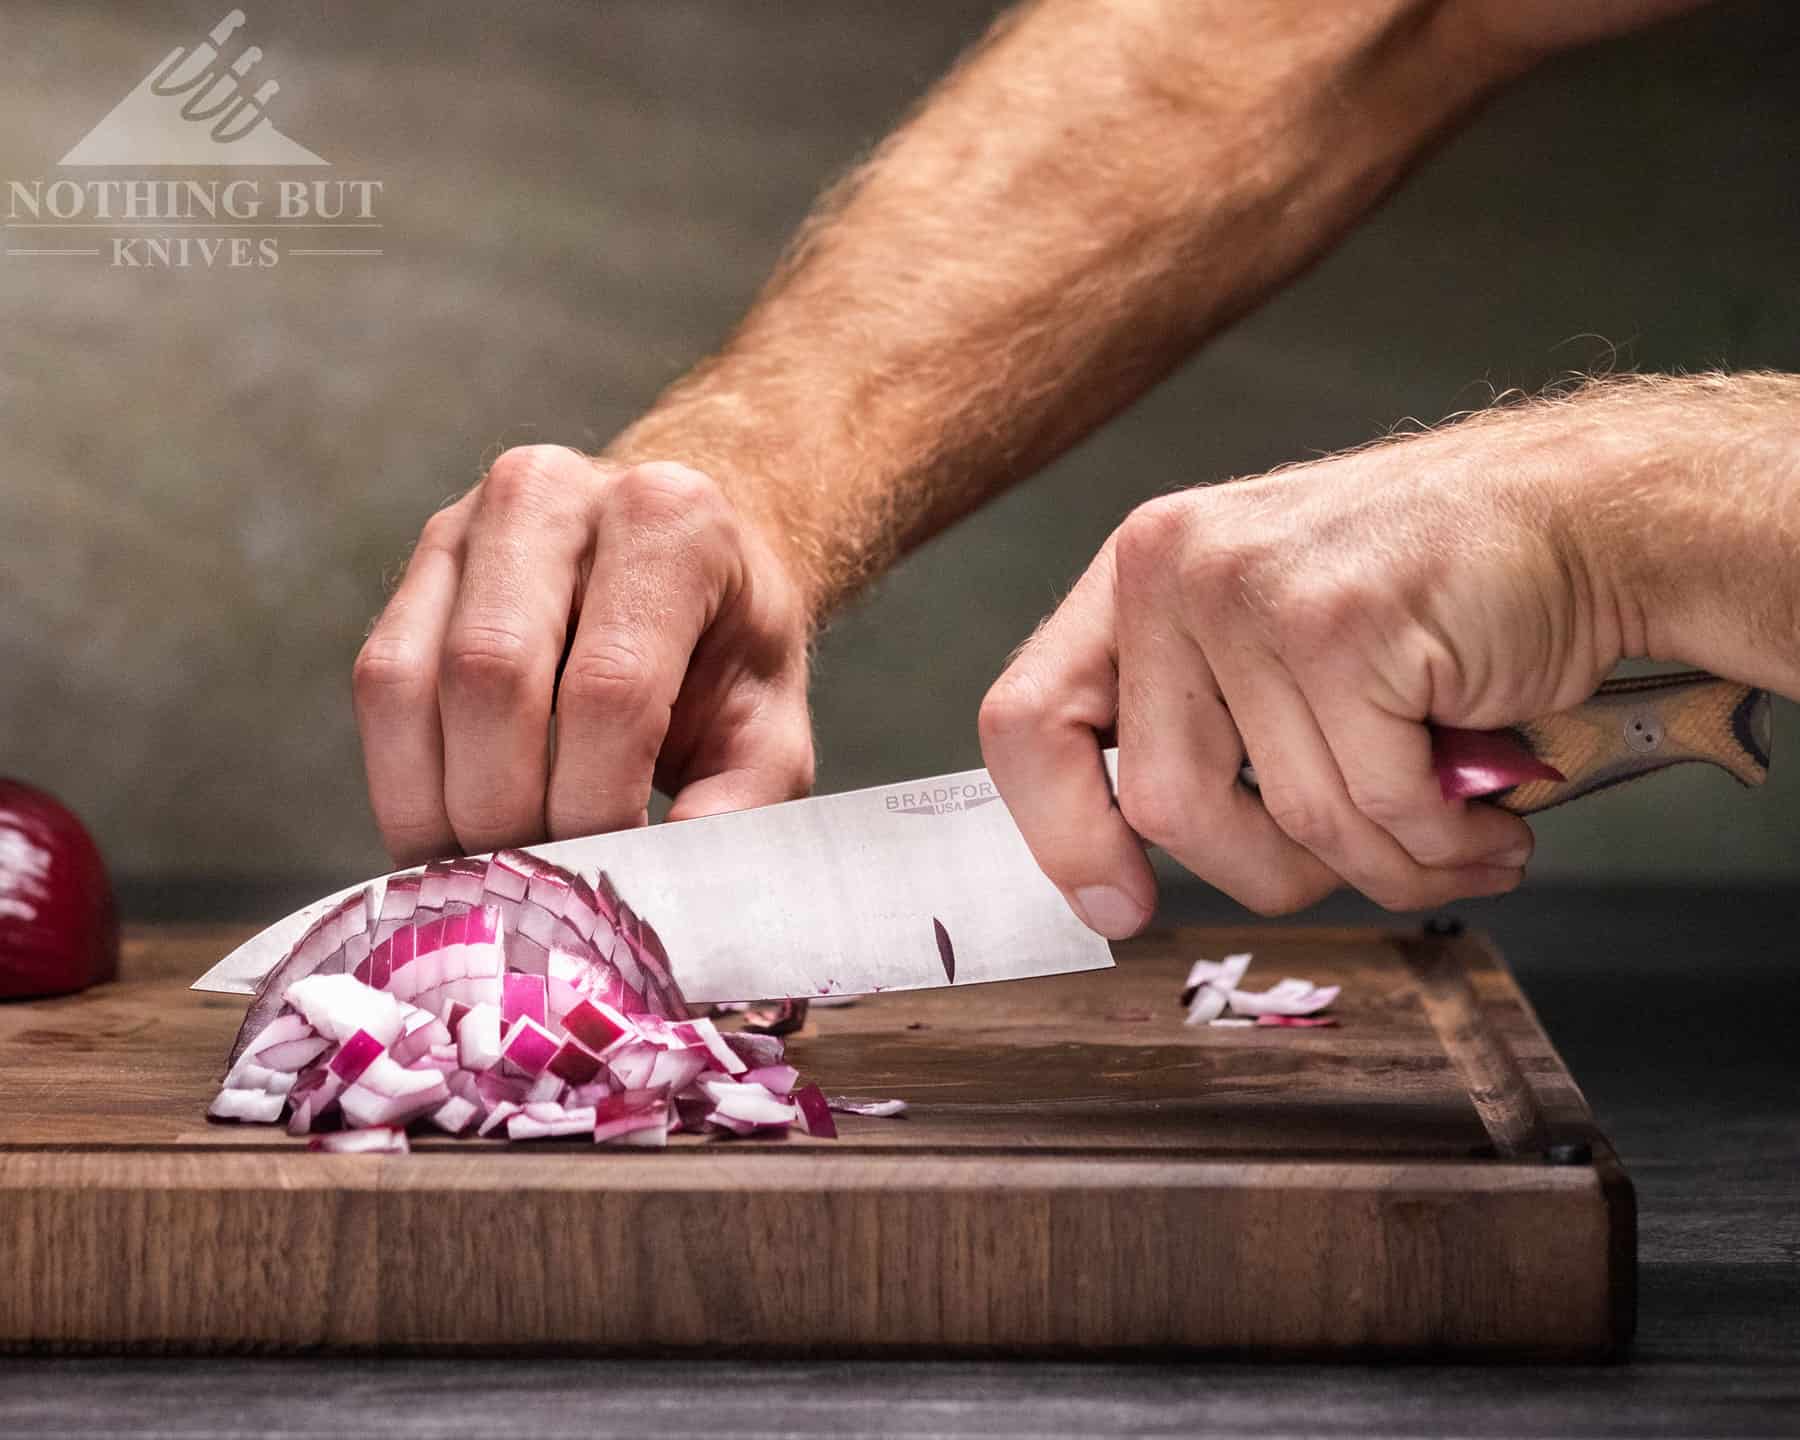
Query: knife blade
{"x":838,"y":895}
{"x":849,"y":893}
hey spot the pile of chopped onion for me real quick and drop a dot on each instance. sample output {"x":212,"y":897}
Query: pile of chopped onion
{"x":1213,"y":988}
{"x":507,"y":998}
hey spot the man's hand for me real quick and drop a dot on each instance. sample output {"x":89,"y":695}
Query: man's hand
{"x":635,"y":604}
{"x":1315,"y":620}
{"x":1093,"y":191}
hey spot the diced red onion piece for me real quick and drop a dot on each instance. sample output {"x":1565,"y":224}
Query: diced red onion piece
{"x":522,"y":995}
{"x":857,"y":1105}
{"x":704,"y":1034}
{"x":339,"y":1005}
{"x":496,"y":1089}
{"x":545,"y":1087}
{"x":632,"y":1062}
{"x":478,"y":1038}
{"x":1290,"y":997}
{"x":677,"y":1069}
{"x":254,"y":1105}
{"x":596,"y":1024}
{"x":457,"y":1115}
{"x":498,"y":1116}
{"x":292,"y":1054}
{"x":774,"y":1079}
{"x":815,"y":1113}
{"x":617,"y":1128}
{"x":354,"y":1056}
{"x":528,"y":1045}
{"x":750,"y":1103}
{"x":574,"y":1063}
{"x":563,"y":1123}
{"x":382,"y":1140}
{"x":282,"y":1029}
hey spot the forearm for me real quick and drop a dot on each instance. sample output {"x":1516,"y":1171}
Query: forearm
{"x":1690,"y":509}
{"x":1094,"y":191}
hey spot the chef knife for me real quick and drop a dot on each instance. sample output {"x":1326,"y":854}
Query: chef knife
{"x":929,"y":882}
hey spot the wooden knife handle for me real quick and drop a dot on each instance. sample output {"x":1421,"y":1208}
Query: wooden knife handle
{"x":1631,"y":727}
{"x":1637,"y":725}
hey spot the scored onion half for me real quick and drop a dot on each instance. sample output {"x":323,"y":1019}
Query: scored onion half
{"x":505,"y":998}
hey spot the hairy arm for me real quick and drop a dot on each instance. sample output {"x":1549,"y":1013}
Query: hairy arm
{"x":1097,"y":188}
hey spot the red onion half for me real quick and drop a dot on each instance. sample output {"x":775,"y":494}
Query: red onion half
{"x":59,"y":925}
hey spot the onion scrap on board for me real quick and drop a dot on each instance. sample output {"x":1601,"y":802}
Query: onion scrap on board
{"x":1214,"y":988}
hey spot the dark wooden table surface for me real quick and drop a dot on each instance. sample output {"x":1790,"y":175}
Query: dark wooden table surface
{"x":1675,"y":1010}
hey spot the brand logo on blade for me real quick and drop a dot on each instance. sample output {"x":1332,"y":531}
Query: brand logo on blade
{"x":200,"y":107}
{"x":941,"y":799}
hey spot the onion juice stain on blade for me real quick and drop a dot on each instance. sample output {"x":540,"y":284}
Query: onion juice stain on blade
{"x":946,"y":951}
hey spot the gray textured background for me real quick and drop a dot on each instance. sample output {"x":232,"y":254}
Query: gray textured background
{"x":204,"y":476}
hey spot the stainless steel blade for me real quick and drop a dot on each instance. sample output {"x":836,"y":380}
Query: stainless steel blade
{"x":830,"y":896}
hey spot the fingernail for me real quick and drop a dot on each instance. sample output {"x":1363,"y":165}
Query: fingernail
{"x":1110,"y":911}
{"x":1512,"y":859}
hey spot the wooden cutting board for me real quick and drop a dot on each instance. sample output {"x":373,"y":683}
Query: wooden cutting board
{"x":1079,"y":1172}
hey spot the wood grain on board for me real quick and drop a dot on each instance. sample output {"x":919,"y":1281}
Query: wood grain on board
{"x":1079,"y":1170}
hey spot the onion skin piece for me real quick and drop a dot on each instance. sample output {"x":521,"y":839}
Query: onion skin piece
{"x":1474,"y":763}
{"x":59,"y":922}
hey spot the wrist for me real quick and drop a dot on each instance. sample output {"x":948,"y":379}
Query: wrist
{"x":753,"y":470}
{"x":1684,"y":502}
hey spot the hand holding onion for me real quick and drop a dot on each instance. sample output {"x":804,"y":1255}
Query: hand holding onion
{"x":59,"y":928}
{"x":637,"y":605}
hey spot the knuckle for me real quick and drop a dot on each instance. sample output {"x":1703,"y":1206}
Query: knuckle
{"x":1217,"y":575}
{"x":440,"y":531}
{"x":664,"y":493}
{"x":1151,"y":535}
{"x":1385,"y":807}
{"x":1301,"y":819}
{"x":387,"y":671}
{"x":1155,"y":811}
{"x":525,"y":476}
{"x":610,"y":678}
{"x":1320,"y":613}
{"x":486,"y":662}
{"x":1013,"y":706}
